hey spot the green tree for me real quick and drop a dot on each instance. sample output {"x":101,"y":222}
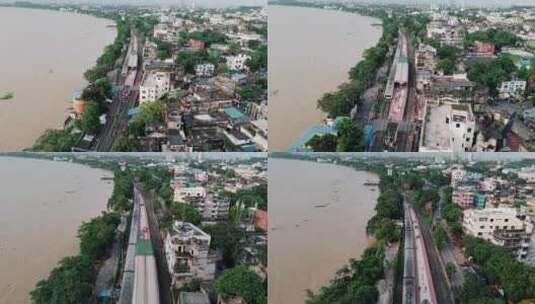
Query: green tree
{"x":123,"y":191}
{"x":502,"y":268}
{"x":388,"y":231}
{"x":98,"y":234}
{"x":491,"y":75}
{"x":439,"y":237}
{"x":447,"y":66}
{"x":323,"y":143}
{"x":258,"y":59}
{"x":227,"y":238}
{"x":97,"y":91}
{"x":55,"y":141}
{"x":89,"y":122}
{"x":350,"y":136}
{"x":452,"y":213}
{"x":186,"y":213}
{"x":209,"y":36}
{"x":152,"y":112}
{"x":241,"y":282}
{"x":70,"y":282}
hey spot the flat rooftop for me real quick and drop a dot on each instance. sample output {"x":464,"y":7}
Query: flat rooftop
{"x":153,"y":78}
{"x":436,"y":134}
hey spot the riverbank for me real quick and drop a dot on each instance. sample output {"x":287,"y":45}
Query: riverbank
{"x":303,"y":70}
{"x":343,"y":102}
{"x":42,"y":86}
{"x":100,"y":250}
{"x":323,"y":226}
{"x":368,"y":273}
{"x":37,"y":213}
{"x":95,"y":95}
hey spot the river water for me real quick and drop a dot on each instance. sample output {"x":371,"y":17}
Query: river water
{"x":43,"y":55}
{"x":318,"y":215}
{"x":42,"y":204}
{"x":310,"y":53}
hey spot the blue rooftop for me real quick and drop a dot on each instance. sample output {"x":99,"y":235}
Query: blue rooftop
{"x":248,"y":148}
{"x":133,"y":111}
{"x":319,"y":129}
{"x":233,"y":113}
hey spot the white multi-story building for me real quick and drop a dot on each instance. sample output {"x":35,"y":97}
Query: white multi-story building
{"x":512,"y":89}
{"x":204,"y":70}
{"x":187,"y":250}
{"x":449,"y":127}
{"x":154,"y":86}
{"x":503,"y":227}
{"x":462,"y":125}
{"x":237,"y":62}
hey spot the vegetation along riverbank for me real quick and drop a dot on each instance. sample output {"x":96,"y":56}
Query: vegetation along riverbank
{"x":350,"y":106}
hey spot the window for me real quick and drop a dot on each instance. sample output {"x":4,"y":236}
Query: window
{"x":469,"y":130}
{"x":458,"y":125}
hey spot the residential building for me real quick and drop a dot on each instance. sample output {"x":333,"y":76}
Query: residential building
{"x":204,"y":70}
{"x":448,"y":127}
{"x":213,"y":207}
{"x":457,"y":175}
{"x":463,"y":198}
{"x":513,"y":89}
{"x":503,"y":227}
{"x":154,"y":86}
{"x":187,"y":252}
{"x":196,"y":44}
{"x":484,"y":48}
{"x":237,"y":62}
{"x":194,"y":192}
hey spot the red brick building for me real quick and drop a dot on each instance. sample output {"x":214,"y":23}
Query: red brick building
{"x":485,"y":48}
{"x":196,"y":44}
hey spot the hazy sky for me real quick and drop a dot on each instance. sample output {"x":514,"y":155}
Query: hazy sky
{"x":467,"y":2}
{"x":203,"y":3}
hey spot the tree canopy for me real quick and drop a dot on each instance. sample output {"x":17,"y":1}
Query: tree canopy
{"x":501,"y":267}
{"x":491,"y":75}
{"x":350,"y":138}
{"x":226,"y":237}
{"x":71,"y":282}
{"x":55,"y":141}
{"x":241,"y":282}
{"x":186,"y":213}
{"x":90,"y":121}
